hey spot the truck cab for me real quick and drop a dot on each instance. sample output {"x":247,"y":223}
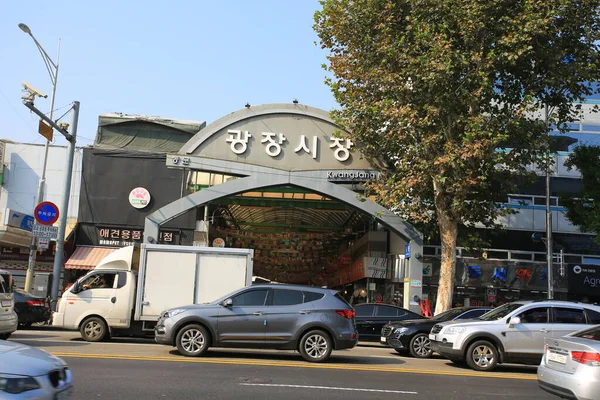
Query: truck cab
{"x":102,"y":300}
{"x":8,"y":316}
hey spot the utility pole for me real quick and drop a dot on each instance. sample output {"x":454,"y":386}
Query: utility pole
{"x":549,"y":256}
{"x":52,"y":68}
{"x":64,"y":208}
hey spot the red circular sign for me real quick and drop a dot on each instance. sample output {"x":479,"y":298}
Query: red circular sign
{"x":46,"y":213}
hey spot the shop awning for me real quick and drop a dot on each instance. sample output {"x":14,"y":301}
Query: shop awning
{"x":87,"y":257}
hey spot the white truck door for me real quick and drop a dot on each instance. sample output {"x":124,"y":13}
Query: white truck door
{"x":93,"y":296}
{"x":219,"y":275}
{"x":168,"y":281}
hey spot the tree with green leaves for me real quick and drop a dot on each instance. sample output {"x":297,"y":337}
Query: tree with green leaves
{"x":450,"y":94}
{"x":583,"y":210}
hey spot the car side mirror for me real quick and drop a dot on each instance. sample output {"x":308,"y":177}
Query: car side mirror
{"x":75,"y":289}
{"x":514,"y":321}
{"x":228,"y":303}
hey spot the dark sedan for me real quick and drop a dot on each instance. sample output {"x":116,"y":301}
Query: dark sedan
{"x":371,"y":318}
{"x":413,"y":336}
{"x":30,"y":309}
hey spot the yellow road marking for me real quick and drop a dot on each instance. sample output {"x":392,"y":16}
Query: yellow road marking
{"x":265,"y":363}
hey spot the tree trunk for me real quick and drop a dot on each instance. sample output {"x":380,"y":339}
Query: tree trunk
{"x":448,"y":232}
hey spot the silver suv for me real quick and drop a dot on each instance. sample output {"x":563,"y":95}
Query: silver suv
{"x":8,"y":316}
{"x":311,"y":320}
{"x":512,"y":333}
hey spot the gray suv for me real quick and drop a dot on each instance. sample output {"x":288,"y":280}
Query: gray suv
{"x":512,"y":333}
{"x":311,"y":320}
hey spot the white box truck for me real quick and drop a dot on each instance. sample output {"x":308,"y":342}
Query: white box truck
{"x":116,"y":300}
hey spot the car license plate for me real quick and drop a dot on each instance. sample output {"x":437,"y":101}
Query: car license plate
{"x":6,"y":303}
{"x":557,"y":358}
{"x":431,"y":337}
{"x":383,"y":339}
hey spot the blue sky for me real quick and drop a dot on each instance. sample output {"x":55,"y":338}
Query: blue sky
{"x":195,"y":60}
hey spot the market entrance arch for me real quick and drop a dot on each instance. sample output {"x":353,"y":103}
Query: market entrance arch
{"x":293,"y":146}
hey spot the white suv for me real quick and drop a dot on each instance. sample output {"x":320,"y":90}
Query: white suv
{"x":8,"y":316}
{"x":512,"y":333}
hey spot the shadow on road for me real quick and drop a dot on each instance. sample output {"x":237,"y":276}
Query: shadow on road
{"x":506,"y":368}
{"x":336,"y":358}
{"x":46,"y":343}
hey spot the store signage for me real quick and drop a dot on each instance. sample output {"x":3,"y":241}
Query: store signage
{"x":139,"y":197}
{"x":416,"y":283}
{"x":46,"y":213}
{"x":352,"y":175}
{"x":121,"y":237}
{"x":218,"y":242}
{"x":584,"y":279}
{"x":18,"y":220}
{"x":273,"y":143}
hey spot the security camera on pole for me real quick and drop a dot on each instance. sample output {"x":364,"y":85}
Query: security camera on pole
{"x":45,"y":131}
{"x":49,"y":211}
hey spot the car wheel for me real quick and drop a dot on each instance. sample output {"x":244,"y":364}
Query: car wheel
{"x":5,"y":336}
{"x":420,"y":346}
{"x":482,"y":356}
{"x":94,"y":329}
{"x":316,"y":346}
{"x":192,"y":341}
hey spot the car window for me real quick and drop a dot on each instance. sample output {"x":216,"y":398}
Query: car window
{"x":472,"y":314}
{"x":592,"y":333}
{"x":386,"y":311}
{"x":285,"y":297}
{"x":312,"y":296}
{"x":122,"y":280}
{"x":500,"y":312}
{"x":569,"y":316}
{"x":105,"y":280}
{"x":593,"y":316}
{"x":364,"y":311}
{"x":5,"y":283}
{"x":538,"y":315}
{"x":250,"y":298}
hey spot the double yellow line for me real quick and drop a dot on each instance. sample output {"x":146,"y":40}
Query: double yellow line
{"x":266,"y":363}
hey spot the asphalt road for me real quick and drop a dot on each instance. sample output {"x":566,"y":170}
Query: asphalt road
{"x":126,"y":368}
{"x":124,"y":379}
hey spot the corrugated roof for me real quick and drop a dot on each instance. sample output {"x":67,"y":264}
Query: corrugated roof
{"x":87,"y":257}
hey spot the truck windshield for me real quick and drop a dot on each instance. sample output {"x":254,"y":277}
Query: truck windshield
{"x":500,"y":312}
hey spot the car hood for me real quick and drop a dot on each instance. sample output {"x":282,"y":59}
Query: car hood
{"x":19,"y":359}
{"x":466,"y":322}
{"x":411,"y":322}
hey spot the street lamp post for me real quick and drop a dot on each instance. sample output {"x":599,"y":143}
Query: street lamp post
{"x":549,"y":250}
{"x":52,"y":68}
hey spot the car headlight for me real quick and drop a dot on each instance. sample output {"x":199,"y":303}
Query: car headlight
{"x":454,"y":330}
{"x":18,"y":385}
{"x":172,"y":313}
{"x":400,"y":331}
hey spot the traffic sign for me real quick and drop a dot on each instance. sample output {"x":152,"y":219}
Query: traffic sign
{"x":45,"y":231}
{"x":46,"y":213}
{"x":45,"y":130}
{"x":43,"y":243}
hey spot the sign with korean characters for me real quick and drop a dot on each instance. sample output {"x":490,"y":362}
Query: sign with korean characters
{"x":288,"y":141}
{"x":121,"y":237}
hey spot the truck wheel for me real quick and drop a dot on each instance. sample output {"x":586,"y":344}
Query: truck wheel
{"x":93,"y":329}
{"x":5,"y":336}
{"x":315,"y":346}
{"x":482,"y":356}
{"x":420,"y":346}
{"x":192,"y":341}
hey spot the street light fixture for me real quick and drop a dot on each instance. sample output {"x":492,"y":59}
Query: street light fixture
{"x":52,"y":68}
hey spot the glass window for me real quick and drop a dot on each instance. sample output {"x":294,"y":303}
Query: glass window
{"x":386,"y":311}
{"x":472,"y":314}
{"x":569,"y":316}
{"x":537,"y":315}
{"x":287,"y":297}
{"x":593,"y":316}
{"x":122,"y":280}
{"x":5,"y":283}
{"x":592,"y":333}
{"x":500,"y":312}
{"x":312,"y":296}
{"x":251,"y":298}
{"x":99,"y":281}
{"x":448,"y":315}
{"x":364,"y":311}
